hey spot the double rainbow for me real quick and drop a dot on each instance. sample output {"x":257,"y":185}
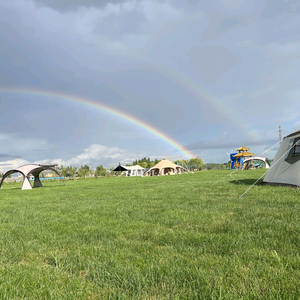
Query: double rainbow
{"x":103,"y":108}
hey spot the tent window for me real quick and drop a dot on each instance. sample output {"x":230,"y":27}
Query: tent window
{"x":289,"y":147}
{"x":294,"y":153}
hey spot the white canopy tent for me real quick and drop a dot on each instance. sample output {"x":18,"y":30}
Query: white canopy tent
{"x":134,"y":171}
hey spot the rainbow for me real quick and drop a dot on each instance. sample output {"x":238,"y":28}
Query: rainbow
{"x":101,"y":107}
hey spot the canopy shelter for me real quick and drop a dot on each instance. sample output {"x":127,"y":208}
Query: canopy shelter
{"x":285,"y":169}
{"x":255,"y":162}
{"x":26,"y":171}
{"x":165,"y":167}
{"x":130,"y":170}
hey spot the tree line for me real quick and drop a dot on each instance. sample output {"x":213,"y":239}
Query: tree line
{"x":190,"y":164}
{"x":84,"y":171}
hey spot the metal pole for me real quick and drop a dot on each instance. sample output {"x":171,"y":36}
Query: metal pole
{"x":280,"y":133}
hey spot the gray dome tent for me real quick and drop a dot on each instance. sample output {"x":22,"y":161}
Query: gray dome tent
{"x":26,"y":171}
{"x":285,"y":168}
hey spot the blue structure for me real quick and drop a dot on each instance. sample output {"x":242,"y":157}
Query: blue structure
{"x":234,"y":161}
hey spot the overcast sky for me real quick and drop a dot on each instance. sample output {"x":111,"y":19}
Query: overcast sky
{"x":210,"y":75}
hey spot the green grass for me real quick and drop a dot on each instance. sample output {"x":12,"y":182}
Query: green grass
{"x":172,"y":237}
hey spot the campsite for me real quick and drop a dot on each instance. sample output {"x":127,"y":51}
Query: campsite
{"x":149,"y":149}
{"x":159,"y":237}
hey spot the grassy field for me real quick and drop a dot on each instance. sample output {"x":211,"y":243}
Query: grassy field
{"x":172,"y":237}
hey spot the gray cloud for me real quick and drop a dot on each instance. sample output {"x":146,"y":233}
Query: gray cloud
{"x":116,"y":26}
{"x":214,"y":60}
{"x":2,"y":155}
{"x":275,"y":8}
{"x":220,"y":23}
{"x":228,"y":23}
{"x":188,"y":6}
{"x":72,"y":5}
{"x":186,"y":2}
{"x":228,"y":142}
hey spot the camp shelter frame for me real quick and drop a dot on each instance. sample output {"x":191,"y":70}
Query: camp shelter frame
{"x":30,"y":169}
{"x":247,"y":161}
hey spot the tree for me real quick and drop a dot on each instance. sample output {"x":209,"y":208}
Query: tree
{"x":84,"y":171}
{"x":64,"y":171}
{"x":71,"y":171}
{"x":53,"y":174}
{"x":181,"y":162}
{"x":68,"y":171}
{"x":196,"y":163}
{"x":152,"y":164}
{"x":101,"y":171}
{"x":144,"y":162}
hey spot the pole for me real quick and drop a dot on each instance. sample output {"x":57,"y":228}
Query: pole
{"x":280,"y":133}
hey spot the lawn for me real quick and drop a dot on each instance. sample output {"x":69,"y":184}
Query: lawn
{"x":172,"y":237}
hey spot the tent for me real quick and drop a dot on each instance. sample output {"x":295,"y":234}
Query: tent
{"x":165,"y":167}
{"x":130,"y":170}
{"x":119,"y":168}
{"x":134,"y":171}
{"x":26,"y":171}
{"x":285,"y":169}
